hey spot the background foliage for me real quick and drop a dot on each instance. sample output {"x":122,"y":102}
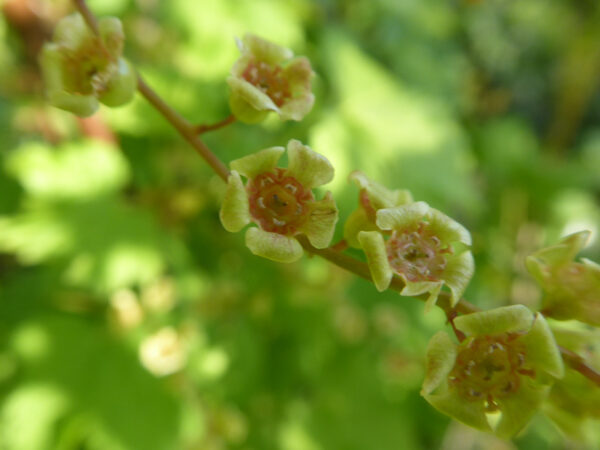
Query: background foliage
{"x":130,"y":319}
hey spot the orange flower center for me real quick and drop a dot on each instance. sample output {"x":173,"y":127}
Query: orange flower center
{"x":417,"y":253}
{"x":278,"y":202}
{"x":269,"y":79}
{"x":489,"y":368}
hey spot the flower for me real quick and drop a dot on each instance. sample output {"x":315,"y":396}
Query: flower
{"x":266,"y":78}
{"x":373,"y":196}
{"x":80,"y":68}
{"x":572,"y":289}
{"x":280,"y":201}
{"x":504,"y":367}
{"x":425,"y":248}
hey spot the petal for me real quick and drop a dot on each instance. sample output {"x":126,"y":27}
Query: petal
{"x":111,"y":31}
{"x":235,"y":213}
{"x":121,"y":87}
{"x":264,"y":50}
{"x":542,"y":350}
{"x":321,"y":222}
{"x":518,"y":408}
{"x":506,"y":319}
{"x":299,"y":73}
{"x":374,"y":247}
{"x":447,"y":229}
{"x":273,"y":246}
{"x":441,"y":357}
{"x":71,"y":32}
{"x":414,"y":288}
{"x":564,"y":251}
{"x":402,"y":216}
{"x":453,"y":405}
{"x":308,"y":167}
{"x":260,"y":162}
{"x":457,"y":274}
{"x":355,"y":223}
{"x":297,"y":108}
{"x":379,"y":195}
{"x":244,"y":96}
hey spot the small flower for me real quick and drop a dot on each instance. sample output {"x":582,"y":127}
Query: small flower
{"x":372,"y":197}
{"x":280,"y":201}
{"x":572,"y":289}
{"x":504,"y":367}
{"x":266,"y":78}
{"x":80,"y":68}
{"x":163,"y":353}
{"x":425,"y":248}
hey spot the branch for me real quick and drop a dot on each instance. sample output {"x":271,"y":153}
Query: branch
{"x":215,"y":126}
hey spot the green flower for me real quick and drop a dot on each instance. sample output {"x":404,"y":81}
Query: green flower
{"x":280,"y":201}
{"x":372,"y":197}
{"x":572,"y":289}
{"x":266,"y":78}
{"x":80,"y":68}
{"x":424,"y":247}
{"x":497,"y":378}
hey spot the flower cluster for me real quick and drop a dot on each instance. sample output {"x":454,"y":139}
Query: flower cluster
{"x":572,"y":289}
{"x":505,"y":366}
{"x":280,"y":201}
{"x":80,"y":68}
{"x":266,"y":78}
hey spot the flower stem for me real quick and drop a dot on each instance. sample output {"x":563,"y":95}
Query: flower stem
{"x":88,"y":16}
{"x":215,"y":126}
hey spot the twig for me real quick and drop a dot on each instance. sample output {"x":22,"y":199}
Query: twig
{"x":215,"y":126}
{"x":88,"y":16}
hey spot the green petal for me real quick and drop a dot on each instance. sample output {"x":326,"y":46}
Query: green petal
{"x":441,"y":357}
{"x":374,"y":247}
{"x":542,"y":350}
{"x":264,"y":50}
{"x":248,"y":103}
{"x":111,"y":31}
{"x":453,"y":405}
{"x":402,"y":217}
{"x":273,"y":246}
{"x":518,"y":408}
{"x":297,"y":108}
{"x":563,"y":252}
{"x":121,"y":87}
{"x":71,"y":32}
{"x":379,"y":195}
{"x":299,"y":73}
{"x":459,"y":271}
{"x":308,"y":167}
{"x":320,"y":226}
{"x":357,"y":222}
{"x":260,"y":162}
{"x":506,"y":319}
{"x":446,"y":229}
{"x":235,"y":213}
{"x":414,"y":288}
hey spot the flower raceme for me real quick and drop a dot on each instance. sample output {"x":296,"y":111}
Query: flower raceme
{"x":80,"y":68}
{"x":266,"y":78}
{"x":502,"y":370}
{"x":280,"y":201}
{"x":572,"y":289}
{"x":424,"y":247}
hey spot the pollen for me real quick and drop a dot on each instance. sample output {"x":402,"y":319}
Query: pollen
{"x":278,"y":202}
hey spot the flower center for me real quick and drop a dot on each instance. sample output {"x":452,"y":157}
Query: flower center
{"x":489,"y":368}
{"x":417,"y":253}
{"x":269,"y":79}
{"x":278,"y":202}
{"x":89,"y":68}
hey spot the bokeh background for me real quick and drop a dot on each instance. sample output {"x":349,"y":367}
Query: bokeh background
{"x":129,"y":319}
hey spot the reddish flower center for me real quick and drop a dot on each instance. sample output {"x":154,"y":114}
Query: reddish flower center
{"x":417,"y":253}
{"x":278,"y":202}
{"x":269,"y":79}
{"x":489,"y":368}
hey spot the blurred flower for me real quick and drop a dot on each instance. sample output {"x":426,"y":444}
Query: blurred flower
{"x":266,"y":78}
{"x":373,"y":197}
{"x":163,"y":353}
{"x":80,"y":68}
{"x":280,"y":201}
{"x":426,"y":249}
{"x":125,"y":309}
{"x":572,"y":289}
{"x":505,"y":366}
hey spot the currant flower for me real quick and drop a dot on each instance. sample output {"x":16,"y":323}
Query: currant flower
{"x":80,"y":68}
{"x":425,"y":248}
{"x":280,"y":201}
{"x":266,"y":78}
{"x":372,"y":197}
{"x":572,"y":289}
{"x":498,"y":376}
